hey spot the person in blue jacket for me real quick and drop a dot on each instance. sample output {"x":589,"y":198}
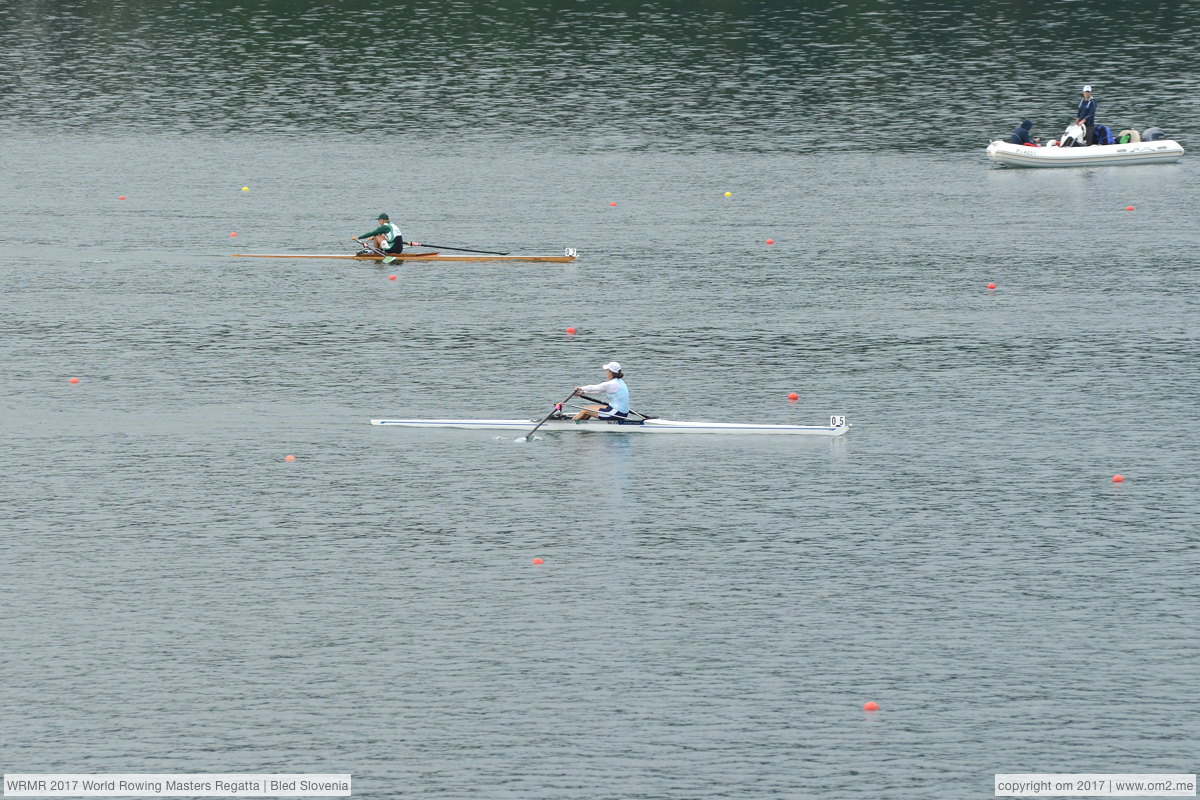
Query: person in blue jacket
{"x":1021,"y":134}
{"x":1086,"y":116}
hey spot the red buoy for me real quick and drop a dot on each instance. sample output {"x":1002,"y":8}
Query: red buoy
{"x":391,"y":277}
{"x":1118,"y":478}
{"x":571,"y":331}
{"x":538,"y":561}
{"x":793,"y":397}
{"x":870,"y":705}
{"x":73,"y":380}
{"x":770,"y":241}
{"x":991,"y":286}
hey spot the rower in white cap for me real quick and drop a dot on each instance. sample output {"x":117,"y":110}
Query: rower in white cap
{"x":615,"y":391}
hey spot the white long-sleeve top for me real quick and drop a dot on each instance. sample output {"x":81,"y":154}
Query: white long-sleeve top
{"x":616,"y":391}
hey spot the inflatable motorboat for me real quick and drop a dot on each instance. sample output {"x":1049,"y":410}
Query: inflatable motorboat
{"x":1152,"y":149}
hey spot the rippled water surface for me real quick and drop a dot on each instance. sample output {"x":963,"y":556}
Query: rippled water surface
{"x":712,"y":612}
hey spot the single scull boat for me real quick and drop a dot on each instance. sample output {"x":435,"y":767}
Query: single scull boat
{"x":836,"y":427}
{"x":569,"y":255}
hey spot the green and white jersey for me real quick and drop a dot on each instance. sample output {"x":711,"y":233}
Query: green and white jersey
{"x":390,"y":231}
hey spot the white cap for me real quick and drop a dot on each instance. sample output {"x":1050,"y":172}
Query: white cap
{"x":1087,"y":88}
{"x":612,"y":366}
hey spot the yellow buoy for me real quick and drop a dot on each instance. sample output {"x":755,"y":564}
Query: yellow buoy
{"x":729,"y":194}
{"x":245,"y":188}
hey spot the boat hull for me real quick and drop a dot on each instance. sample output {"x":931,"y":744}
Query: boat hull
{"x":1162,"y":151}
{"x":409,"y":257}
{"x":597,"y":426}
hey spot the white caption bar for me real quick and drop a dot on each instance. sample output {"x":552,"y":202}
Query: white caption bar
{"x":1040,"y":784}
{"x":174,"y":785}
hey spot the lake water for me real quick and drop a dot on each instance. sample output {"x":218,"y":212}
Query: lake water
{"x":712,"y":612}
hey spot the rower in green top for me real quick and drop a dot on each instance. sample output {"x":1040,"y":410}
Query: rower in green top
{"x":385,"y":239}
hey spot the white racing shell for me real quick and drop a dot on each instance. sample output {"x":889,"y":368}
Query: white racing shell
{"x":837,"y":426}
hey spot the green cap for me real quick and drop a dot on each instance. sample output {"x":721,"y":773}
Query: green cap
{"x":383,"y":216}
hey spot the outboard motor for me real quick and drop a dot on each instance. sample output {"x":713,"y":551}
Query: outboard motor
{"x":1153,"y":134}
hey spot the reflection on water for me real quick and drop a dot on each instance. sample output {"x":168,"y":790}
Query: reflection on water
{"x":768,"y":76}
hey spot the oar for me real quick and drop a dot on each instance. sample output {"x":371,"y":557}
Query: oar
{"x":387,"y":257}
{"x":461,"y":249}
{"x":601,"y":402}
{"x":557,"y":408}
{"x":368,"y":246}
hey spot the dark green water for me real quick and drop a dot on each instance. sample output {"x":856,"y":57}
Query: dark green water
{"x":713,"y":611}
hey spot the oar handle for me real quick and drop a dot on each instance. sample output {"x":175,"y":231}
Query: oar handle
{"x":594,"y":400}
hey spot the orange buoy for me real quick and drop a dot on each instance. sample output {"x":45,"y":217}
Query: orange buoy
{"x":793,"y":397}
{"x":770,"y":241}
{"x":537,"y":561}
{"x":1129,"y":208}
{"x":233,"y":234}
{"x":391,"y":277}
{"x":991,"y":286}
{"x":1118,"y":479}
{"x":571,"y":331}
{"x":289,"y":457}
{"x":73,"y":380}
{"x":870,"y":705}
{"x":122,"y":197}
{"x":612,"y":204}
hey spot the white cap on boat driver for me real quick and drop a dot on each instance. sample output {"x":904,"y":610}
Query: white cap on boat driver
{"x":612,"y":366}
{"x":1087,"y":88}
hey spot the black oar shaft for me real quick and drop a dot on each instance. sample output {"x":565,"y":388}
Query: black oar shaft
{"x":557,"y":408}
{"x":601,"y":402}
{"x":461,"y":249}
{"x":371,"y":247}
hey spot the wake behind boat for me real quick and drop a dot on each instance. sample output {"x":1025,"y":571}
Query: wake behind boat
{"x":836,"y":427}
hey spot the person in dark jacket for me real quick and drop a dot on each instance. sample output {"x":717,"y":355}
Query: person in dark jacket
{"x":1021,"y":134}
{"x":1086,"y":116}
